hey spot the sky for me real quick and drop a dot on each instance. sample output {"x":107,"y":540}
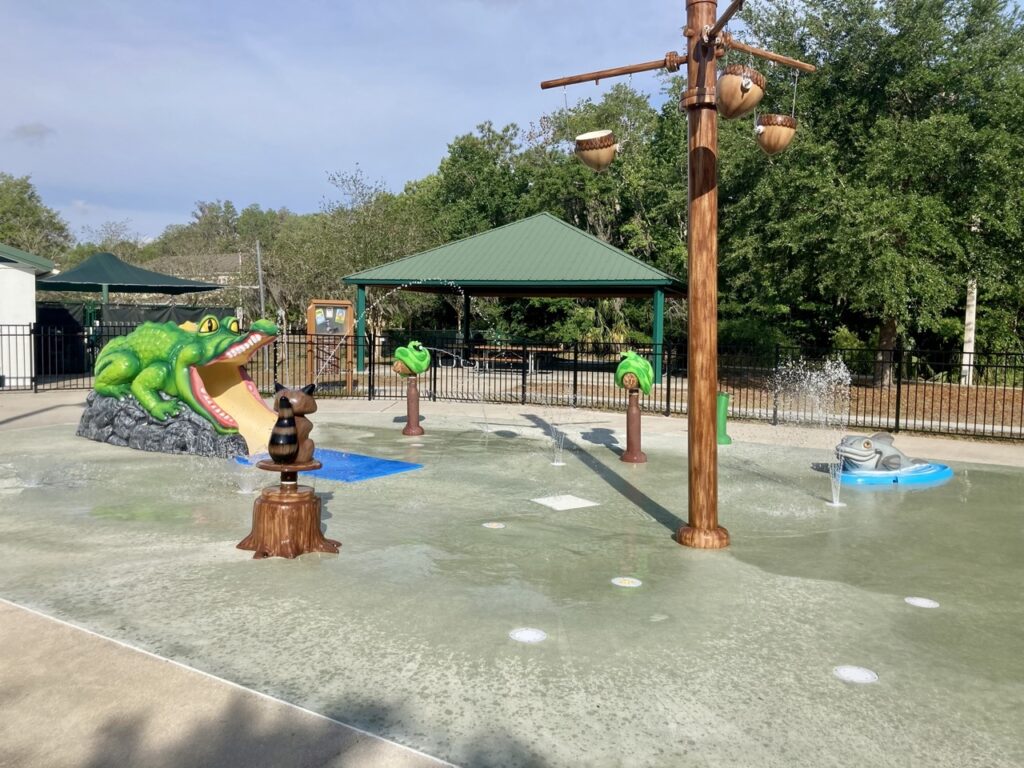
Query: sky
{"x":121,"y":110}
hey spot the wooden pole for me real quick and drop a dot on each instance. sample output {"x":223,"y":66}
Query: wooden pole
{"x":735,"y":6}
{"x":729,"y":42}
{"x":702,"y":530}
{"x":671,"y":62}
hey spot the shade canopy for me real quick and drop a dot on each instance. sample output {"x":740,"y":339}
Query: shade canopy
{"x":104,"y":272}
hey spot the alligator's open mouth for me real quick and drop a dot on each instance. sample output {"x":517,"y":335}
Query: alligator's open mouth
{"x":225,"y":390}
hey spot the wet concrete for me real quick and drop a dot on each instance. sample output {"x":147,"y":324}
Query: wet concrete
{"x":717,"y":658}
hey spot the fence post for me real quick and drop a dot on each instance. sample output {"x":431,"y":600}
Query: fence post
{"x":775,"y":387}
{"x":371,"y":352}
{"x":276,"y":342}
{"x":433,"y":379}
{"x":898,"y":365}
{"x":33,"y":331}
{"x":668,"y":379}
{"x":523,"y":397}
{"x":575,"y":372}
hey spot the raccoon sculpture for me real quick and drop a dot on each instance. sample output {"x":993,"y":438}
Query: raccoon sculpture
{"x":302,"y":403}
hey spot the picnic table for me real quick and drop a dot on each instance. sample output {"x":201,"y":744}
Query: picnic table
{"x":488,"y":355}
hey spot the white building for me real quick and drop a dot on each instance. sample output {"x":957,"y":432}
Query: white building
{"x":18,"y":271}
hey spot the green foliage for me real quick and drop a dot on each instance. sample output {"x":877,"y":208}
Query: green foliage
{"x":26,"y":223}
{"x":477,"y":186}
{"x":901,"y":183}
{"x":114,"y":237}
{"x":843,"y":338}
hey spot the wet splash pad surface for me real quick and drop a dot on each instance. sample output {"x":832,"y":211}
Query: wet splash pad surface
{"x":346,"y":467}
{"x":715,"y":658}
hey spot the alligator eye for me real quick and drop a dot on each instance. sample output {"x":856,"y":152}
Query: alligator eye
{"x":233,"y":325}
{"x":208,"y":324}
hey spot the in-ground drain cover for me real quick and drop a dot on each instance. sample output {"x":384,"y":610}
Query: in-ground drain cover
{"x":565,"y":501}
{"x":626,"y":581}
{"x":494,"y":525}
{"x":921,"y":602}
{"x":855,"y":674}
{"x":528,"y":635}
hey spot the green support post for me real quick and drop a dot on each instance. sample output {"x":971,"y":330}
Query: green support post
{"x":360,"y":328}
{"x":723,"y":415}
{"x":658,"y":334}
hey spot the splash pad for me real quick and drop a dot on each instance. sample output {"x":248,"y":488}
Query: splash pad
{"x":406,"y":633}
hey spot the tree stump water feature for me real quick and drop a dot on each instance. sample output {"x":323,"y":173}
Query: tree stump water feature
{"x":286,"y":518}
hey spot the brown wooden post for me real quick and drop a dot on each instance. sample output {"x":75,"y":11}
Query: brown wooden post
{"x":702,"y":529}
{"x":633,"y":453}
{"x":412,"y":409}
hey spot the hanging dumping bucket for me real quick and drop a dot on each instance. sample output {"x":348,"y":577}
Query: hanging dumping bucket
{"x":723,"y":415}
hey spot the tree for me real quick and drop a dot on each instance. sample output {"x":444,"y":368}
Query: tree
{"x":302,"y":265}
{"x":613,"y":205}
{"x":478,"y":187}
{"x":116,"y":237}
{"x":915,"y":134}
{"x":258,"y":224}
{"x":26,"y":223}
{"x":371,"y":226}
{"x":213,"y":230}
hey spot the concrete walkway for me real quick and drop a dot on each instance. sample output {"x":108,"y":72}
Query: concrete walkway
{"x":72,"y":698}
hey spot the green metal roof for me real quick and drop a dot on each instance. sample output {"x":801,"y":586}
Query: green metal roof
{"x":104,"y":271}
{"x":540,"y":255}
{"x":38,"y":263}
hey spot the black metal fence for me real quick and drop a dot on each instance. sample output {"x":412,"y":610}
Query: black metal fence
{"x":938,"y":392}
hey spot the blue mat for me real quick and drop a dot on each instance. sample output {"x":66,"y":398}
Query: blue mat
{"x":346,"y":467}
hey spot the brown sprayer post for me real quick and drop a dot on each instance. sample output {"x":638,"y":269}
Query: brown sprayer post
{"x":412,"y":408}
{"x":705,"y":43}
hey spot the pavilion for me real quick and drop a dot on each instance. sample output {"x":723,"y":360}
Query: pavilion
{"x":537,"y":256}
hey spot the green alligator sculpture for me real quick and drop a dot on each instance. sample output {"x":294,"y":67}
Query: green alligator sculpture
{"x":638,"y":366}
{"x":199,"y":365}
{"x":414,"y":356}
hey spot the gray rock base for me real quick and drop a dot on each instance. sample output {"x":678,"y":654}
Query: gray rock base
{"x":125,"y":422}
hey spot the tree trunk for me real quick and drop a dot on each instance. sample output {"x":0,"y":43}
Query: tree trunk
{"x":886,"y":353}
{"x":967,"y":359}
